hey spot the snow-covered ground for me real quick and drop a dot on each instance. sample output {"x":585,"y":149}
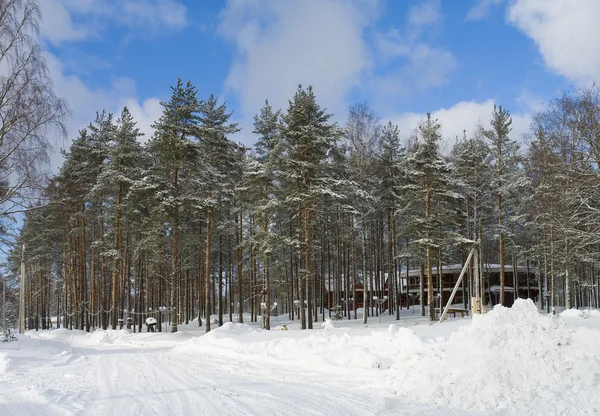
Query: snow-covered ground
{"x":512,"y":361}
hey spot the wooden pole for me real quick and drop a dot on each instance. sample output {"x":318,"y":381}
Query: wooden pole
{"x":477,"y":305}
{"x":456,"y":286}
{"x":22,"y":294}
{"x":3,"y":305}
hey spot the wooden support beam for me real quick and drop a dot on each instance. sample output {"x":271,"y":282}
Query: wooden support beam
{"x":458,"y":282}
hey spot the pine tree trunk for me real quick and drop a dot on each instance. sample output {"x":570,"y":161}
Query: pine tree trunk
{"x":230,"y":290}
{"x":568,"y":282}
{"x":301,"y":279}
{"x":364,"y":276}
{"x":552,"y":292}
{"x":85,"y":322}
{"x":104,"y":296}
{"x":430,"y":302}
{"x":207,"y":277}
{"x":93,"y":282}
{"x":422,"y":289}
{"x":309,"y":306}
{"x":238,"y":239}
{"x":220,"y":283}
{"x":266,"y":310}
{"x":354,"y":268}
{"x":500,"y":221}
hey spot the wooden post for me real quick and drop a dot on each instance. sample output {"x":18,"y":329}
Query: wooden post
{"x":476,"y":306}
{"x":3,"y":305}
{"x":22,"y":294}
{"x":456,"y":286}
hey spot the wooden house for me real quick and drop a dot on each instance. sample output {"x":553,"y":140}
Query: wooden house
{"x":525,"y":286}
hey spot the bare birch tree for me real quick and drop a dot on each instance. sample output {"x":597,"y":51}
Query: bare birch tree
{"x":30,"y":111}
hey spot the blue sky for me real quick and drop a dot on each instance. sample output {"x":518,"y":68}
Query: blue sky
{"x":404,"y":57}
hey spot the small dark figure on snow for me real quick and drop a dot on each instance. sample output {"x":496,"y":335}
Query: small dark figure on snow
{"x":151,"y":324}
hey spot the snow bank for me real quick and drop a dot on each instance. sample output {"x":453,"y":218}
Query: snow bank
{"x":82,"y":338}
{"x":319,"y":349}
{"x":576,"y":313}
{"x":3,"y":363}
{"x":510,"y":358}
{"x":110,"y":337}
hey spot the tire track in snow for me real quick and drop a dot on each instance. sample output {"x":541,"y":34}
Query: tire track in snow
{"x":46,"y":389}
{"x":148,"y":382}
{"x":114,"y":381}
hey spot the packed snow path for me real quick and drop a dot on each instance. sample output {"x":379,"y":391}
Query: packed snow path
{"x":109,"y":380}
{"x":510,"y":362}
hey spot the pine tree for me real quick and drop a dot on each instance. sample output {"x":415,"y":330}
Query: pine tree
{"x":172,"y":149}
{"x":124,"y":166}
{"x":390,"y":171}
{"x":362,"y":135}
{"x":77,"y":180}
{"x":506,"y":153}
{"x":261,"y":176}
{"x":308,"y":140}
{"x":427,"y":192}
{"x":471,"y":160}
{"x":219,"y":156}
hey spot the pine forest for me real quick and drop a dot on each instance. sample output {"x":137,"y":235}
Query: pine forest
{"x":189,"y":224}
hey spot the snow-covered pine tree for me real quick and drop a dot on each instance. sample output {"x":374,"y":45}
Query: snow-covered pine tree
{"x":362,"y":135}
{"x":76,"y":191}
{"x":506,"y":158}
{"x":390,"y":172}
{"x":219,"y":157}
{"x":471,"y":161}
{"x":428,"y":194}
{"x":260,"y":175}
{"x":125,"y":164}
{"x":172,"y":149}
{"x":308,"y":138}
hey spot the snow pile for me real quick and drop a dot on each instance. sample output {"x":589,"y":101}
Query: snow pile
{"x":100,"y":337}
{"x":79,"y":337}
{"x":355,"y":357}
{"x":230,"y":329}
{"x":328,"y":324}
{"x":576,"y":313}
{"x":327,"y":350}
{"x":3,"y":363}
{"x":110,"y":337}
{"x":511,"y":358}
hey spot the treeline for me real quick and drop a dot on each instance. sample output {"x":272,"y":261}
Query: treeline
{"x":191,"y":224}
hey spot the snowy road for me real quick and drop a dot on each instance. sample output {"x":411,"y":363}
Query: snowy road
{"x":509,"y":362}
{"x":108,"y":380}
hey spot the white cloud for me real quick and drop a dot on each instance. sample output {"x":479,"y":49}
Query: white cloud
{"x":566,"y":32}
{"x":329,"y":44}
{"x":415,"y":64}
{"x":57,"y":25}
{"x":76,"y":20}
{"x":425,"y":13}
{"x":482,"y":9}
{"x":85,"y":102}
{"x":465,"y":115}
{"x":429,"y":66}
{"x":418,"y":66}
{"x":156,"y":14}
{"x":283,"y":43}
{"x":80,"y":20}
